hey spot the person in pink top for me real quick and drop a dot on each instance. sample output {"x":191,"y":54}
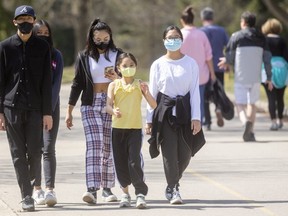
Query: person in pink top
{"x":196,"y":45}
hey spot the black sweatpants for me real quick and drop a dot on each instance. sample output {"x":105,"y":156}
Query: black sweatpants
{"x":128,"y":159}
{"x":175,"y":152}
{"x":24,"y":133}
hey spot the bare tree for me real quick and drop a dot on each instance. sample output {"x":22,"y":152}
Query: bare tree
{"x":279,"y":10}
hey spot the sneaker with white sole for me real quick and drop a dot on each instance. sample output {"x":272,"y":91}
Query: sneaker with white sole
{"x":90,"y":197}
{"x":140,"y":201}
{"x":39,"y":197}
{"x":125,"y":201}
{"x":50,"y":198}
{"x":28,"y":203}
{"x":176,"y":198}
{"x":108,"y":196}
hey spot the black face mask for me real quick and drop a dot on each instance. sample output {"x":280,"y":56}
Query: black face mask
{"x":47,"y":39}
{"x":102,"y":45}
{"x":25,"y":27}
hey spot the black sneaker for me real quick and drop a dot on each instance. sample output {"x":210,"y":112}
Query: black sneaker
{"x":247,"y":131}
{"x":28,"y":203}
{"x":108,"y":196}
{"x":168,"y":193}
{"x":90,"y":196}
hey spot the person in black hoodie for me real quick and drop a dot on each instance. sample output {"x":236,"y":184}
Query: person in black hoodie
{"x":94,"y":69}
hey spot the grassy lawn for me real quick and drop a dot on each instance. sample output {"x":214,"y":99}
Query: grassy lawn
{"x":143,"y":74}
{"x":68,"y":75}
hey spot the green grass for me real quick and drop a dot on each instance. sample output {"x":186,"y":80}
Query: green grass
{"x":143,"y":74}
{"x":68,"y":74}
{"x":229,"y":87}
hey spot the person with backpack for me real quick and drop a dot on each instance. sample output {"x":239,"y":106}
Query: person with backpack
{"x":278,"y":48}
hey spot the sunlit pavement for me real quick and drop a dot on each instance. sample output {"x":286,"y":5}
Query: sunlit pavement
{"x":227,"y":177}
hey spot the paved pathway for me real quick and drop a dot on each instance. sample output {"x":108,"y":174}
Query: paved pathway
{"x":227,"y":177}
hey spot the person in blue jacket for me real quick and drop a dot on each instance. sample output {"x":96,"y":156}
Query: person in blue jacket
{"x":42,"y":30}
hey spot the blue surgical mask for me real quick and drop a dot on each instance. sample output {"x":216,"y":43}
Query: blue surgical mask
{"x":173,"y":44}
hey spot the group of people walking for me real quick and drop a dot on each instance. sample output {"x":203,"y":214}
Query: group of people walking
{"x":30,"y":79}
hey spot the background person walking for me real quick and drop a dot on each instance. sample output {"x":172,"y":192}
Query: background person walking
{"x":246,"y":50}
{"x":218,"y":39}
{"x":196,"y":45}
{"x":279,"y":50}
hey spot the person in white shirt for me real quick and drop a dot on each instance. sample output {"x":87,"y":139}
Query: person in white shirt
{"x":174,"y":81}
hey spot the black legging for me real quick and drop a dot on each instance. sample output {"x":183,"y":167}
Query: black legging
{"x":275,"y":101}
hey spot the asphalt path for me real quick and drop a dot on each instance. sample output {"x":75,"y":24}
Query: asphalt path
{"x":227,"y":177}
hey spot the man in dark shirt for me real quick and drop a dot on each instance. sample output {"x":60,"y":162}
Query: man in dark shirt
{"x":25,"y":98}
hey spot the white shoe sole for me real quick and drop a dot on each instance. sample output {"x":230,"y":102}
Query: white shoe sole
{"x":111,"y":198}
{"x":40,"y":201}
{"x":141,"y":206}
{"x":51,"y":202}
{"x":88,"y":199}
{"x":176,"y":202}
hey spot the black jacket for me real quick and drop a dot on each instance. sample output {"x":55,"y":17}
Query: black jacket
{"x":25,"y":66}
{"x":182,"y":123}
{"x":82,"y":81}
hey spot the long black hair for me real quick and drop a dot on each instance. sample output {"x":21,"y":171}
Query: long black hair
{"x":172,"y":27}
{"x":90,"y":49}
{"x":36,"y":27}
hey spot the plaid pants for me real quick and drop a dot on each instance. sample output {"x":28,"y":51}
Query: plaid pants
{"x":99,"y":158}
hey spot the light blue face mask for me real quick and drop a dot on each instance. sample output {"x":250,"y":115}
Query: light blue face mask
{"x":172,"y":44}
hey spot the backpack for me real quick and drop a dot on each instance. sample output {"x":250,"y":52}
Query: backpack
{"x":279,"y":72}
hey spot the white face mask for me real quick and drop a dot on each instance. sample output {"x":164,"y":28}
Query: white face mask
{"x":128,"y":72}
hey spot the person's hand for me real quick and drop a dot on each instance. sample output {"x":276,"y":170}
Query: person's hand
{"x":144,"y":87}
{"x":222,"y":63}
{"x":270,"y":85}
{"x":213,"y":77}
{"x":47,"y":122}
{"x":148,"y":128}
{"x":69,"y":121}
{"x":112,"y":75}
{"x":2,"y":122}
{"x":116,"y":112}
{"x":195,"y":126}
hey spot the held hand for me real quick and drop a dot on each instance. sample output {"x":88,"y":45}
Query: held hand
{"x":195,"y":126}
{"x":148,"y":128}
{"x":222,"y":63}
{"x":270,"y":85}
{"x":117,"y":112}
{"x":213,"y":77}
{"x":47,"y":122}
{"x":69,"y":121}
{"x":144,"y":87}
{"x":2,"y":122}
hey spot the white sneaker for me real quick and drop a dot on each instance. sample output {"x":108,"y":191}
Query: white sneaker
{"x":90,"y":197}
{"x":39,"y":197}
{"x":125,"y":201}
{"x":140,"y":201}
{"x":50,"y":198}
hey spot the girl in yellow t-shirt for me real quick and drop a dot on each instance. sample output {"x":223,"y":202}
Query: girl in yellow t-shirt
{"x":124,"y":104}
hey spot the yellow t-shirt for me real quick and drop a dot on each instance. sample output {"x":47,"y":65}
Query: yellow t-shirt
{"x":128,"y":99}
